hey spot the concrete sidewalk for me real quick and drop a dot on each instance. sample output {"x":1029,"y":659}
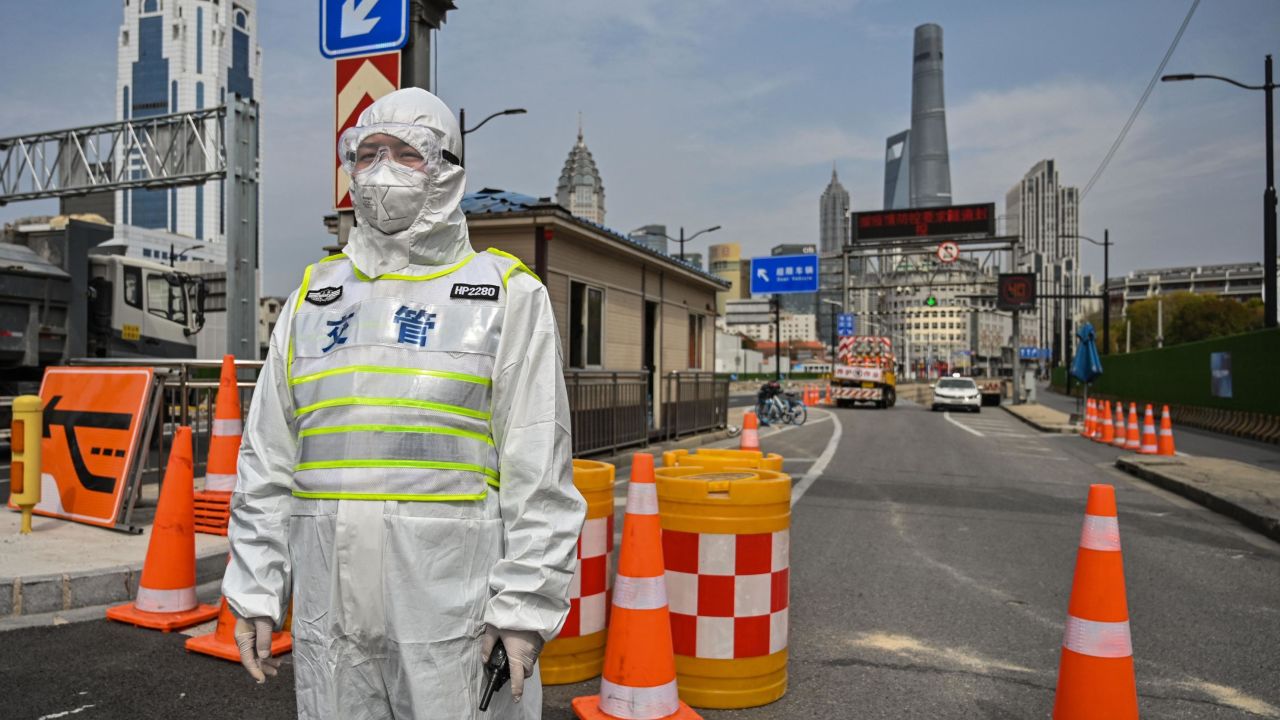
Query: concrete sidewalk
{"x":64,"y":566}
{"x":1246,"y":493}
{"x":1042,"y":418}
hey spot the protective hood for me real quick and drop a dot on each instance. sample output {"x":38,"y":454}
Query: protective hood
{"x":438,"y":233}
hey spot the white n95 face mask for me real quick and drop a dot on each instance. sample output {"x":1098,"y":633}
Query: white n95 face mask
{"x":389,"y":199}
{"x":392,"y":168}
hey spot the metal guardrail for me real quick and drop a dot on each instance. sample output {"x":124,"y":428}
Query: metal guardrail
{"x":694,"y":401}
{"x":609,"y":410}
{"x":190,"y":390}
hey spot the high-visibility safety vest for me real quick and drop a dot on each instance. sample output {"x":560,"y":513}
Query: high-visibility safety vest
{"x":391,"y":379}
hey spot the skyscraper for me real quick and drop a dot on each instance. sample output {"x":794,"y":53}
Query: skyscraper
{"x":833,"y":209}
{"x":897,"y":171}
{"x":580,"y":189}
{"x":1047,"y":218}
{"x":653,"y":237}
{"x":930,"y":165}
{"x":176,"y":56}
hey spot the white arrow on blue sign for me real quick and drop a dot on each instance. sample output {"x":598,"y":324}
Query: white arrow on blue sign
{"x":361,"y":27}
{"x":844,"y":324}
{"x":776,"y":274}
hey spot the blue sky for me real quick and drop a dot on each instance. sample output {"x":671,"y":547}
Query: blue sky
{"x":731,"y":112}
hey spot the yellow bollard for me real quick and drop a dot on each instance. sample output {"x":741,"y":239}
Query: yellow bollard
{"x":24,"y":468}
{"x":577,"y":654}
{"x":726,"y":545}
{"x":722,"y":459}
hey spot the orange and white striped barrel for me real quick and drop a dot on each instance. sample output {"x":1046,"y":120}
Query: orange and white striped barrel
{"x":577,"y":653}
{"x":726,"y":545}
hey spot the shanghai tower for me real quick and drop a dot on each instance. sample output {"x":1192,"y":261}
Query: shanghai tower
{"x":930,"y":167}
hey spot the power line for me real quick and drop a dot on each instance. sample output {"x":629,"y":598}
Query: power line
{"x":1141,"y":101}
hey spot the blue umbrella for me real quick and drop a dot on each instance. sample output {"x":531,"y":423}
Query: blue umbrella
{"x":1087,"y":364}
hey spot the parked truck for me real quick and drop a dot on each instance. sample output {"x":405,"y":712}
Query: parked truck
{"x":866,"y":371}
{"x":64,"y":296}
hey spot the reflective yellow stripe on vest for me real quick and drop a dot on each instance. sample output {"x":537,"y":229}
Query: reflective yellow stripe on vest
{"x":412,"y":408}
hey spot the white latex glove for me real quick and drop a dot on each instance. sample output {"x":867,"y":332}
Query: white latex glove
{"x":522,"y":648}
{"x":253,"y":637}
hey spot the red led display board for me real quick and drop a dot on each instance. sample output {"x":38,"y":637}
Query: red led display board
{"x":908,"y":224}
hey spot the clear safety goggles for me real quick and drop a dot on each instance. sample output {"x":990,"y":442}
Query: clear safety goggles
{"x":408,"y":148}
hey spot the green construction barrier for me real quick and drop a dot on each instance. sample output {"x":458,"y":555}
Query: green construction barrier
{"x":1183,"y":374}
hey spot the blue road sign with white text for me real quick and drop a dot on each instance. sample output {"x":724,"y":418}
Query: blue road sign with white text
{"x":784,"y":274}
{"x":844,"y":324}
{"x":361,"y":27}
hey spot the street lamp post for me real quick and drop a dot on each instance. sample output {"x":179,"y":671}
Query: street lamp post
{"x":172,"y":257}
{"x":1106,"y":285}
{"x":462,"y":125}
{"x":1268,"y":196}
{"x":682,"y":239}
{"x":834,"y":306}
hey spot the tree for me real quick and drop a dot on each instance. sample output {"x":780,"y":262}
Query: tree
{"x":1188,"y":317}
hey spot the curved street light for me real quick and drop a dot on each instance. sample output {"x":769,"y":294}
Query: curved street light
{"x":682,"y":239}
{"x":462,"y":125}
{"x":1268,"y":196}
{"x":1106,"y":283}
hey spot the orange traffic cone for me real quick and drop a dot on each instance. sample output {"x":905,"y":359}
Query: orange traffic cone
{"x":750,"y":432}
{"x":221,"y":642}
{"x":1095,"y":672}
{"x":1148,"y":446}
{"x":1131,"y":441}
{"x":1108,"y":434}
{"x":213,"y":504}
{"x":1089,"y":418}
{"x":639,"y":681}
{"x":828,"y":399}
{"x":166,"y":597}
{"x":1165,"y":446}
{"x":1119,"y":426}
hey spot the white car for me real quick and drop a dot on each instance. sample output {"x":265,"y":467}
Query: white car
{"x":957,"y":392}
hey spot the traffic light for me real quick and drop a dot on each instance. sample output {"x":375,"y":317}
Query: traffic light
{"x":931,"y":301}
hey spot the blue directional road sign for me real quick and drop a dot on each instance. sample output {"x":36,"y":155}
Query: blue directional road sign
{"x":361,"y":27}
{"x":784,"y":274}
{"x":844,"y":325}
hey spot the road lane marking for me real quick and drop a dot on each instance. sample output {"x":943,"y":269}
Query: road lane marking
{"x":906,"y":646}
{"x":65,"y":713}
{"x":820,"y":465}
{"x":962,"y":426}
{"x":1229,"y":696}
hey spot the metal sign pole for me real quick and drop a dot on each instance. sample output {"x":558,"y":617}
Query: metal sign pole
{"x":1017,"y":359}
{"x":241,"y":209}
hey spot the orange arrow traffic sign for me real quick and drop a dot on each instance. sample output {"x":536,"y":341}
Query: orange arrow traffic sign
{"x":359,"y":81}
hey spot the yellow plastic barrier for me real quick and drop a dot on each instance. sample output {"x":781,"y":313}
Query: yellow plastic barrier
{"x":24,"y":468}
{"x":726,"y":546}
{"x":722,"y":459}
{"x":577,"y":654}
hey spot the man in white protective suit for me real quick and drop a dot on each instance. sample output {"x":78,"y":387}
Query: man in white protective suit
{"x":405,"y":475}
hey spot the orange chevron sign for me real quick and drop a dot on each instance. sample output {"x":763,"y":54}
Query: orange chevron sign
{"x":359,"y":81}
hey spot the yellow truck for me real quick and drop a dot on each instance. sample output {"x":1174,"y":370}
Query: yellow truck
{"x":865,"y":371}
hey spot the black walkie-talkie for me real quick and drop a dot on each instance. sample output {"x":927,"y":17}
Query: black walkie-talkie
{"x":496,"y":672}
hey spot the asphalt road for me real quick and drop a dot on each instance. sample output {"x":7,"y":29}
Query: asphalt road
{"x":932,"y":558}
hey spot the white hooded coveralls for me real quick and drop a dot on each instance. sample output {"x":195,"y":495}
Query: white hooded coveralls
{"x":405,"y":476}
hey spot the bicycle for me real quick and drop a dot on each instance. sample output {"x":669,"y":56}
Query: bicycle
{"x":796,"y":412}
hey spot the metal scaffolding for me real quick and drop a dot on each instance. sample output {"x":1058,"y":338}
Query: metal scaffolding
{"x":162,"y":151}
{"x":184,"y":148}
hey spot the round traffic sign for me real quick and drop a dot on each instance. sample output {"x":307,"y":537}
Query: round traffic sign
{"x":948,"y":252}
